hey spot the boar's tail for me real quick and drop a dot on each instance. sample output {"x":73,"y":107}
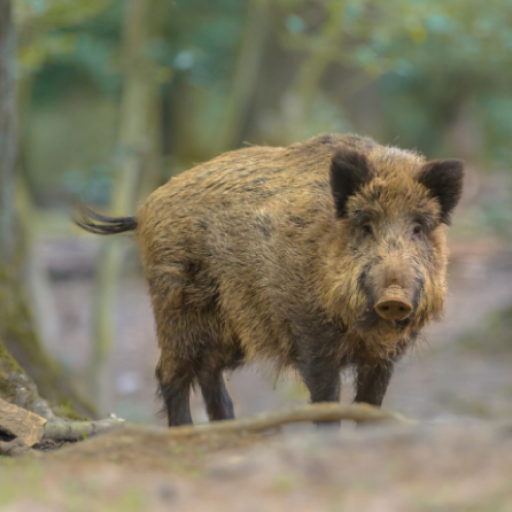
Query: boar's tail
{"x":98,"y":224}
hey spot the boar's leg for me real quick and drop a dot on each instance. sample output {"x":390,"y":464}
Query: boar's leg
{"x":217,"y":400}
{"x":372,"y":382}
{"x":321,"y":376}
{"x":175,"y":391}
{"x":177,"y":403}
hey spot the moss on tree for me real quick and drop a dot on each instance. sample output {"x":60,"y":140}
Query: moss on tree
{"x":22,"y":355}
{"x":17,"y":388}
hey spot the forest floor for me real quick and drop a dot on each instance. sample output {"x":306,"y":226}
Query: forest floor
{"x":457,"y":382}
{"x":455,"y":467}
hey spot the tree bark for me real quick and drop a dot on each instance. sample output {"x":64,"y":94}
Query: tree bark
{"x":18,"y":389}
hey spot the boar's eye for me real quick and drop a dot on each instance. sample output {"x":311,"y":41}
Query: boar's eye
{"x":368,"y":230}
{"x":416,"y":231}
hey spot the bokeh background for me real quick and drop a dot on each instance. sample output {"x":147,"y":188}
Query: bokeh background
{"x":117,"y":96}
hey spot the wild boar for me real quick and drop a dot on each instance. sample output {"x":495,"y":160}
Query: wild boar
{"x":319,"y":256}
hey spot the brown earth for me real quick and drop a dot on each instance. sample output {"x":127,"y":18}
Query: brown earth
{"x":453,"y":467}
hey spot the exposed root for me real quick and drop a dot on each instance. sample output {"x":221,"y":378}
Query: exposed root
{"x":24,"y":425}
{"x":361,"y":413}
{"x":79,"y":430}
{"x":59,"y":430}
{"x":28,"y":429}
{"x":13,"y":448}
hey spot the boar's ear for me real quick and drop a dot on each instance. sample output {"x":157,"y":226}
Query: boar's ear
{"x":443,"y":178}
{"x":350,"y":170}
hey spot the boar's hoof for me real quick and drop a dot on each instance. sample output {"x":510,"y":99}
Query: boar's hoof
{"x":393,"y":309}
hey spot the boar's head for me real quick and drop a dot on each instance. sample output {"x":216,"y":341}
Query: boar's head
{"x":388,"y":251}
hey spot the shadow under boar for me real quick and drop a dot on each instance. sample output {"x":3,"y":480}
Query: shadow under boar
{"x":320,"y":256}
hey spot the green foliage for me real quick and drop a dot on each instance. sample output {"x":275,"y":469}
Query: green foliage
{"x":42,"y":27}
{"x":420,"y":63}
{"x":429,"y":58}
{"x":455,"y":53}
{"x":202,"y":39}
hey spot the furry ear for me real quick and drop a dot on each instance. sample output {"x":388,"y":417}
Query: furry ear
{"x":350,"y":170}
{"x":443,"y":178}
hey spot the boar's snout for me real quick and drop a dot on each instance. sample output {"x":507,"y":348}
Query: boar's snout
{"x":394,"y":304}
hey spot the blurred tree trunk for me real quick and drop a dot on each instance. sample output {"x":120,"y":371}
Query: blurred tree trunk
{"x":299,"y":99}
{"x":245,"y":78}
{"x":19,"y":344}
{"x":7,"y":133}
{"x":135,"y":161}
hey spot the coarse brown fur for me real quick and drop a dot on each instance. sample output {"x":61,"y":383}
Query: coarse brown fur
{"x":281,"y":253}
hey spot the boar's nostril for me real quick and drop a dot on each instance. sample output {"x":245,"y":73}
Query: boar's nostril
{"x":393,"y":308}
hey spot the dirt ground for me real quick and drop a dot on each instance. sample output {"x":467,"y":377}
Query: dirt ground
{"x":457,"y":467}
{"x":457,"y":382}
